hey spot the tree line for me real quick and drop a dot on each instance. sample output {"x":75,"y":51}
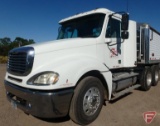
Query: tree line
{"x":6,"y":44}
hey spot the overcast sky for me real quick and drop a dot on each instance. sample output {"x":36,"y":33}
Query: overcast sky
{"x":38,"y":19}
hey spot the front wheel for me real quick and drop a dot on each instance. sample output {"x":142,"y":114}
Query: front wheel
{"x":87,"y":101}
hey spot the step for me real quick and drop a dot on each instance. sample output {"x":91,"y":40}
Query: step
{"x":123,"y":92}
{"x":124,"y":76}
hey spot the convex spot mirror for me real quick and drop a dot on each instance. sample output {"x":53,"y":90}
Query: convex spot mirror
{"x":125,"y":35}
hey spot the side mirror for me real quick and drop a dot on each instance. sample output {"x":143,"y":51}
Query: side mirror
{"x":125,"y":22}
{"x":125,"y":35}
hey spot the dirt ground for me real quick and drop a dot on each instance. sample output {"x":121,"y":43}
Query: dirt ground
{"x":126,"y":111}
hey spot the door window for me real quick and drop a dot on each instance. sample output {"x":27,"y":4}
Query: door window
{"x":113,"y":28}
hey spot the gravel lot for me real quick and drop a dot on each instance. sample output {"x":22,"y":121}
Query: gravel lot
{"x":126,"y":111}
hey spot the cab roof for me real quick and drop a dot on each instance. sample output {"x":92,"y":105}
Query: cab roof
{"x":99,"y":10}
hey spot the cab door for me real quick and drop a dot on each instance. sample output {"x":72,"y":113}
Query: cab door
{"x":113,"y":43}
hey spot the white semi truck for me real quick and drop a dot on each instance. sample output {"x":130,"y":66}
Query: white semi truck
{"x":98,"y":56}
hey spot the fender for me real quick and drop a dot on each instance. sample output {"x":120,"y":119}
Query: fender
{"x":72,"y":67}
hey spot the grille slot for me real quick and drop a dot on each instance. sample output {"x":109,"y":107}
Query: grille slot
{"x":20,"y":61}
{"x":15,"y":79}
{"x":17,"y":62}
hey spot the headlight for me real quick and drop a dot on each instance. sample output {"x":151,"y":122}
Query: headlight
{"x":45,"y":78}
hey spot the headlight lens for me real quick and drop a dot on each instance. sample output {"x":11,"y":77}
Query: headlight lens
{"x":46,"y":78}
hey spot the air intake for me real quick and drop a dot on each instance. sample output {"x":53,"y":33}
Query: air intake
{"x":20,"y":61}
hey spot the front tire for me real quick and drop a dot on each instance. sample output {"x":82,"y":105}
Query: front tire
{"x":87,"y":101}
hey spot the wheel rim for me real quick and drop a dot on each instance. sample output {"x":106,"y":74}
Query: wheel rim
{"x":149,"y":79}
{"x":91,"y":101}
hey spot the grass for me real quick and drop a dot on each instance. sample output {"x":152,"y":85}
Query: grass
{"x":3,"y":59}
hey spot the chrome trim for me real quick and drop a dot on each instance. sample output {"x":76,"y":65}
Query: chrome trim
{"x":146,"y":41}
{"x":144,"y":30}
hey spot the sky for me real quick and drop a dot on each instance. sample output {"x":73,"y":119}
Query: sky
{"x":38,"y":19}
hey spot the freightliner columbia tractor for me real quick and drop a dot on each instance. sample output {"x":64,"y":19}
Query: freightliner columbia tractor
{"x":98,"y":56}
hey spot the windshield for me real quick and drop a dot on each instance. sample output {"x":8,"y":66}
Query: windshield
{"x":85,"y":27}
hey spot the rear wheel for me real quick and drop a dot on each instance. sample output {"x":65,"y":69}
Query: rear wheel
{"x":155,"y":75}
{"x":87,"y":101}
{"x":146,"y":79}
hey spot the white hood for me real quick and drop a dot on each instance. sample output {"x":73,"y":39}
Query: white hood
{"x":62,"y":44}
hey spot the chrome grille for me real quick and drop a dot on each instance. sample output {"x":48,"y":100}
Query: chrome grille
{"x":20,"y":61}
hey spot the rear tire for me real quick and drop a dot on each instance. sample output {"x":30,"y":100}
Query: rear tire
{"x":146,"y":79}
{"x":155,"y":75}
{"x":87,"y":101}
